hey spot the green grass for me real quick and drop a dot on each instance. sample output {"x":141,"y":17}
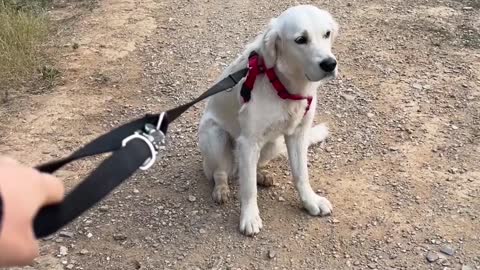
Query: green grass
{"x":23,"y":28}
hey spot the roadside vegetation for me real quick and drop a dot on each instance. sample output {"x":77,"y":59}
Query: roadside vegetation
{"x":23,"y":29}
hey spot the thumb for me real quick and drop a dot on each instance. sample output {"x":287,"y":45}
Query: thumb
{"x":54,"y":189}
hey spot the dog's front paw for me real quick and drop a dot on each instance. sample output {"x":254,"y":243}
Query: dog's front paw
{"x":264,"y":179}
{"x":317,"y":205}
{"x":250,"y":221}
{"x":221,"y":193}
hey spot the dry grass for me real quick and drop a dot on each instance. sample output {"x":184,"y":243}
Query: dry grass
{"x":23,"y":27}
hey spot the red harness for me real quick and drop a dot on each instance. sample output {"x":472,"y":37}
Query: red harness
{"x":256,"y":67}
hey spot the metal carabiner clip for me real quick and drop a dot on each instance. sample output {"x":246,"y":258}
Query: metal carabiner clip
{"x":153,"y":137}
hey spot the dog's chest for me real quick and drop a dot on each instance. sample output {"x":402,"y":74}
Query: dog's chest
{"x":293,"y":113}
{"x":271,"y":120}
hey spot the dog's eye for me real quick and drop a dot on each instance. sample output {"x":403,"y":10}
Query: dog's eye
{"x":327,"y":35}
{"x":301,"y":40}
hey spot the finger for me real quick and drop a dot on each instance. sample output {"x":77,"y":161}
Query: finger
{"x":30,"y":249}
{"x":19,"y":246}
{"x":54,"y":189}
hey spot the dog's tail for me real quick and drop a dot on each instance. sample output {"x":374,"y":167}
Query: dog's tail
{"x":318,"y":133}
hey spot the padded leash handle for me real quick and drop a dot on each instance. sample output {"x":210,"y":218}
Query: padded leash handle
{"x":138,"y":150}
{"x":93,"y":189}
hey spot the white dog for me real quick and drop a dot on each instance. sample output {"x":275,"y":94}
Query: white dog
{"x":241,"y":129}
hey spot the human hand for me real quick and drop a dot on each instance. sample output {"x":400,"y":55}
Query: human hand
{"x":24,"y":191}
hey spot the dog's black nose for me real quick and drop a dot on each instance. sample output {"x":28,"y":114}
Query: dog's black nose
{"x":328,"y":64}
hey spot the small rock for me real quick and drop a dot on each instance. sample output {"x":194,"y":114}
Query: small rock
{"x":335,"y":221}
{"x":348,"y":97}
{"x":136,"y":191}
{"x":103,"y":208}
{"x":371,"y":265}
{"x":467,"y":8}
{"x":445,"y":262}
{"x":83,"y":252}
{"x":119,"y":237}
{"x":453,"y":170}
{"x":63,"y":251}
{"x":66,"y":234}
{"x":454,"y":127}
{"x":70,"y":266}
{"x":417,"y":86}
{"x":89,"y":235}
{"x":370,"y":115}
{"x":192,"y":198}
{"x":271,"y":254}
{"x":137,"y":264}
{"x":281,"y":199}
{"x":356,"y":263}
{"x":202,"y":231}
{"x":432,"y":256}
{"x":447,"y":250}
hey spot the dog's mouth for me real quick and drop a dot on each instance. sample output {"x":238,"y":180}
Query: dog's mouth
{"x":325,"y":76}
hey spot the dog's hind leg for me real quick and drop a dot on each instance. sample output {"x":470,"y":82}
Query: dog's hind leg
{"x":277,"y":147}
{"x":269,"y":151}
{"x":272,"y":150}
{"x":216,"y":147}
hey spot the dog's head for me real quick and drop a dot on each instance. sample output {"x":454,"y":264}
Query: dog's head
{"x":301,"y":38}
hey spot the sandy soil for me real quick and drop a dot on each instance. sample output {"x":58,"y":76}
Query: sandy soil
{"x":401,"y":166}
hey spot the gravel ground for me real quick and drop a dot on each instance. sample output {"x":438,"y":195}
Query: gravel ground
{"x":400,"y":167}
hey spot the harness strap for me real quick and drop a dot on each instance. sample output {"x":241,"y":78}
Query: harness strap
{"x":131,"y":149}
{"x":256,"y":67}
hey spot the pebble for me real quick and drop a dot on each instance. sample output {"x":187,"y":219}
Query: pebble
{"x":348,"y":97}
{"x":271,"y":254}
{"x":63,"y":250}
{"x":89,"y":235}
{"x":83,"y":252}
{"x":432,"y":256}
{"x":370,"y":115}
{"x":202,"y":231}
{"x":119,"y":237}
{"x":281,"y":199}
{"x":66,"y":234}
{"x":136,"y":191}
{"x":192,"y":198}
{"x":70,"y":266}
{"x":467,"y":8}
{"x":447,"y":250}
{"x":417,"y":86}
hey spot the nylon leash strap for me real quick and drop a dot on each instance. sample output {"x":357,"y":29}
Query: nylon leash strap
{"x":134,"y":145}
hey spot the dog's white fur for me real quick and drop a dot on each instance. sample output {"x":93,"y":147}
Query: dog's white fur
{"x":267,"y":126}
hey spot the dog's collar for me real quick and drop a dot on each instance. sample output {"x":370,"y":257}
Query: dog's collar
{"x":257,"y":66}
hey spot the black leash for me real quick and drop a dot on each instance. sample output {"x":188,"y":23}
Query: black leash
{"x":134,"y":145}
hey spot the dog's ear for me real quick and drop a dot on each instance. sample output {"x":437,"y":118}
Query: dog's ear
{"x":270,"y":43}
{"x":335,"y":29}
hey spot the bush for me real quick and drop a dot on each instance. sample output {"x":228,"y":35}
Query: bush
{"x":23,"y":26}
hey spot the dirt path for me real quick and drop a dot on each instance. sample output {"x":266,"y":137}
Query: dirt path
{"x":401,"y":167}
